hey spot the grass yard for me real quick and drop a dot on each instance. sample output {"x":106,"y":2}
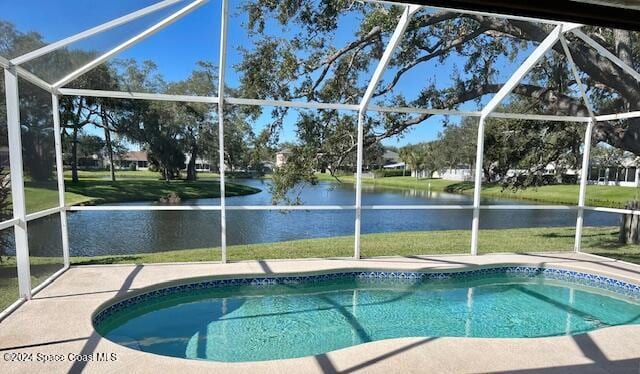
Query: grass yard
{"x":598,"y":240}
{"x":95,"y":187}
{"x":129,"y":174}
{"x":41,"y":269}
{"x":604,"y":196}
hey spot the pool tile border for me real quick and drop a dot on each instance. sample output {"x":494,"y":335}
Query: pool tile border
{"x":587,"y":279}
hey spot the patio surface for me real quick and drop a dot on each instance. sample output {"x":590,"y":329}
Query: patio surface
{"x":58,"y":322}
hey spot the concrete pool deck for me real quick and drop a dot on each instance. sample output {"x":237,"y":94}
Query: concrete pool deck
{"x":56,"y":324}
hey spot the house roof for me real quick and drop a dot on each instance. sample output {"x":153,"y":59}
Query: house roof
{"x":396,"y":165}
{"x":390,"y":155}
{"x":135,"y":156}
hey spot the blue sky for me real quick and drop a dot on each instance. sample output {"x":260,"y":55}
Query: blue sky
{"x":177,"y":48}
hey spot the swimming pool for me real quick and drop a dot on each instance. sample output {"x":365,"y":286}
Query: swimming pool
{"x":265,"y":318}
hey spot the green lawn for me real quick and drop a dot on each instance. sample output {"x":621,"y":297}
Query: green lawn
{"x":604,"y":196}
{"x":95,"y":187}
{"x":128,"y":174}
{"x":41,"y":269}
{"x":600,"y":240}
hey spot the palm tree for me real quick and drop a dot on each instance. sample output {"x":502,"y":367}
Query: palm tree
{"x":414,"y":156}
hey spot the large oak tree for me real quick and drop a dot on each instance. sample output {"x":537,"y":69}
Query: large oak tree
{"x":325,"y":61}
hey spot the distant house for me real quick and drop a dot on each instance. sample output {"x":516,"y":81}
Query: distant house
{"x":140,"y":161}
{"x":390,"y":157}
{"x":94,"y":161}
{"x":282,"y":156}
{"x":626,"y":174}
{"x":201,"y":163}
{"x":462,"y":172}
{"x":132,"y":159}
{"x":397,"y":165}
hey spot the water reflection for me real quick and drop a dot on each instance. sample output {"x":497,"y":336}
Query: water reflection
{"x":125,"y":232}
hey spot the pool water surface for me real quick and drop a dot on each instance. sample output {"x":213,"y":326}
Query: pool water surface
{"x":243,"y":321}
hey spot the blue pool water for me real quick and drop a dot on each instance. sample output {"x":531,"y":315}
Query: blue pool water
{"x":263,"y":322}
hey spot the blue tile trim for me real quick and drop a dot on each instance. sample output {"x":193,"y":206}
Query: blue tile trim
{"x":592,"y":280}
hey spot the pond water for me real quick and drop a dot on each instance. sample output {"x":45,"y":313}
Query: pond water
{"x":93,"y":233}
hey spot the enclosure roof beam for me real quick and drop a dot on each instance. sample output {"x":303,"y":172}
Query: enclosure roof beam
{"x":605,"y":52}
{"x":314,"y":105}
{"x":92,"y":31}
{"x":576,"y":75}
{"x":26,"y":75}
{"x":137,"y":95}
{"x":522,"y":71}
{"x":386,"y":56}
{"x":129,"y":43}
{"x":618,"y":116}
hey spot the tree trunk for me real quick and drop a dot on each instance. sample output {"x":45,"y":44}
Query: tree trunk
{"x":191,"y":167}
{"x":74,"y":155}
{"x":630,"y":225}
{"x":107,"y":140}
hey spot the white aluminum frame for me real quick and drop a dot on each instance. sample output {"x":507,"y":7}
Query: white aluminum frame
{"x":92,"y":31}
{"x":129,"y":43}
{"x":586,"y":154}
{"x":17,"y":182}
{"x":57,"y":134}
{"x":12,"y":71}
{"x":515,"y":79}
{"x":224,"y":18}
{"x":409,"y":10}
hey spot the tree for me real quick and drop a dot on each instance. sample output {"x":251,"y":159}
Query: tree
{"x":414,"y":156}
{"x":518,"y":153}
{"x":457,"y":145}
{"x":76,"y":112}
{"x":305,"y":65}
{"x":38,"y":151}
{"x":196,"y":118}
{"x":87,"y":146}
{"x":286,"y":180}
{"x":156,"y":126}
{"x":434,"y":160}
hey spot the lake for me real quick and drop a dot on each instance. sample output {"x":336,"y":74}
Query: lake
{"x":93,"y":233}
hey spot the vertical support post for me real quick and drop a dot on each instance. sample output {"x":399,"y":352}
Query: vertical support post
{"x":506,"y":89}
{"x":359,"y":162}
{"x":17,"y":181}
{"x":477,"y":188}
{"x":403,"y":22}
{"x":57,"y":133}
{"x":221,"y":69}
{"x":584,"y":176}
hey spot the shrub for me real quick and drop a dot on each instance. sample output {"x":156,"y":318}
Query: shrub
{"x":384,"y":173}
{"x":548,"y":179}
{"x":569,"y":179}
